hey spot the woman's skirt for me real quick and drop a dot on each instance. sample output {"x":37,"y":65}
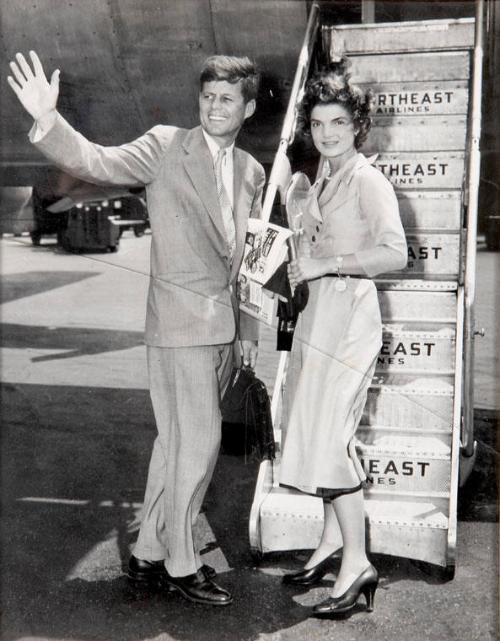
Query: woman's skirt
{"x":337,"y":340}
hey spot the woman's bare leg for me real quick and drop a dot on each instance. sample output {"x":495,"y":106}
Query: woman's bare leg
{"x":330,"y":538}
{"x":349,"y":509}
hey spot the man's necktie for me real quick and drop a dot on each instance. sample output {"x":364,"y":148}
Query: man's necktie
{"x":225,"y":205}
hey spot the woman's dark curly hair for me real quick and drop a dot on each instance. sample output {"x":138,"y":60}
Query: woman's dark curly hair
{"x":331,"y":85}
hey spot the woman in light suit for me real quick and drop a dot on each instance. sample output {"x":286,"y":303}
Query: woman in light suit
{"x":352,"y":232}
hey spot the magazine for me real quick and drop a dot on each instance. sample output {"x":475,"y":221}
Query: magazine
{"x":265,"y":250}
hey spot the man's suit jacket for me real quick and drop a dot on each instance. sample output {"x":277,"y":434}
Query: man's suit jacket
{"x":190,"y":299}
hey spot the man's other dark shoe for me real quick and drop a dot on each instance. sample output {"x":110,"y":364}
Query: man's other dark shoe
{"x":199,"y":589}
{"x":208,"y":571}
{"x":145,"y":572}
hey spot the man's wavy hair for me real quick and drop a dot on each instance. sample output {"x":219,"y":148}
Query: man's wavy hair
{"x":331,"y":85}
{"x":232,"y":69}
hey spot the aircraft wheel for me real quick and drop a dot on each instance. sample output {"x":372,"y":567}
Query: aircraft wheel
{"x":62,"y":240}
{"x":36,"y":238}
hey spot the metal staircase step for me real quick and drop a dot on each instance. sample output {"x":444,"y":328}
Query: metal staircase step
{"x":375,"y":440}
{"x":425,"y":133}
{"x":440,"y":499}
{"x":439,"y":170}
{"x":410,"y":350}
{"x":413,"y":402}
{"x":418,"y":514}
{"x":296,"y":506}
{"x":430,"y":210}
{"x":412,"y":100}
{"x":413,"y":384}
{"x":413,"y":283}
{"x":406,"y":472}
{"x":427,"y":306}
{"x":426,"y":67}
{"x":433,"y":253}
{"x":387,"y":37}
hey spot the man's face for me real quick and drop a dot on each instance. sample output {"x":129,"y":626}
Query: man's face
{"x":223,"y":110}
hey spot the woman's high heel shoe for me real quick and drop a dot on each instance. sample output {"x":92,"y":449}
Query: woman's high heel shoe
{"x":365,"y":584}
{"x":312,"y":575}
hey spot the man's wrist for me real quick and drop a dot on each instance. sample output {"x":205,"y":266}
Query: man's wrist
{"x":46,"y":122}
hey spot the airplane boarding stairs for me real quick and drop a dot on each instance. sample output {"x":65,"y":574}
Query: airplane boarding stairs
{"x":412,"y":430}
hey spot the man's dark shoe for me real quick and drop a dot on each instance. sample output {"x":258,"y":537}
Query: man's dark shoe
{"x":146,"y":572}
{"x":208,"y":571}
{"x":199,"y":589}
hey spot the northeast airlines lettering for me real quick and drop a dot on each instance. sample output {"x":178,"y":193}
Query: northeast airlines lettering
{"x":408,"y":102}
{"x":393,"y":353}
{"x":388,"y":472}
{"x":422,"y":253}
{"x":405,"y":173}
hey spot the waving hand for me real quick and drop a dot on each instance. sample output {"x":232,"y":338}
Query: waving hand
{"x":35,"y":93}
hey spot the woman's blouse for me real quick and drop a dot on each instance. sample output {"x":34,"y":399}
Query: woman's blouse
{"x":356,"y":212}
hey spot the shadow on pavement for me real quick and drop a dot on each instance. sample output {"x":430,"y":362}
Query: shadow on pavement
{"x":24,"y":284}
{"x":77,"y":341}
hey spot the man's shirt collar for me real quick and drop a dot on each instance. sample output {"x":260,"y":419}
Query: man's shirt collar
{"x":214,"y":147}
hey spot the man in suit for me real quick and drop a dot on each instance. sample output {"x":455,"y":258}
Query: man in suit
{"x":200,"y":192}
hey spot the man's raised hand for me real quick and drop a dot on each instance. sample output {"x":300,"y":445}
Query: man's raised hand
{"x":35,"y":93}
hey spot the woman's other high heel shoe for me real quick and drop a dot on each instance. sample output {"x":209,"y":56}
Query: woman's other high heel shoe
{"x":312,"y":575}
{"x":365,"y":584}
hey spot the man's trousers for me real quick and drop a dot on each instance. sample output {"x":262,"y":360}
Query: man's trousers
{"x":185,"y":386}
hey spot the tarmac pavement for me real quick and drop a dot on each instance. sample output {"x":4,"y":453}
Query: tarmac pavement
{"x":77,"y":431}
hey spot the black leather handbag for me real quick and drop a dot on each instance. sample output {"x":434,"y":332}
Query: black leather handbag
{"x":246,"y":417}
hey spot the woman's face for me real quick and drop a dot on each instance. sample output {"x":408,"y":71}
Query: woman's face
{"x":333,"y":131}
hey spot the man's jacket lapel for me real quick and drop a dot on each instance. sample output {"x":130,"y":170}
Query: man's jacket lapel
{"x":199,"y":166}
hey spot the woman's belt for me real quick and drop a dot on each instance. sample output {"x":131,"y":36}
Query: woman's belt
{"x":333,"y":275}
